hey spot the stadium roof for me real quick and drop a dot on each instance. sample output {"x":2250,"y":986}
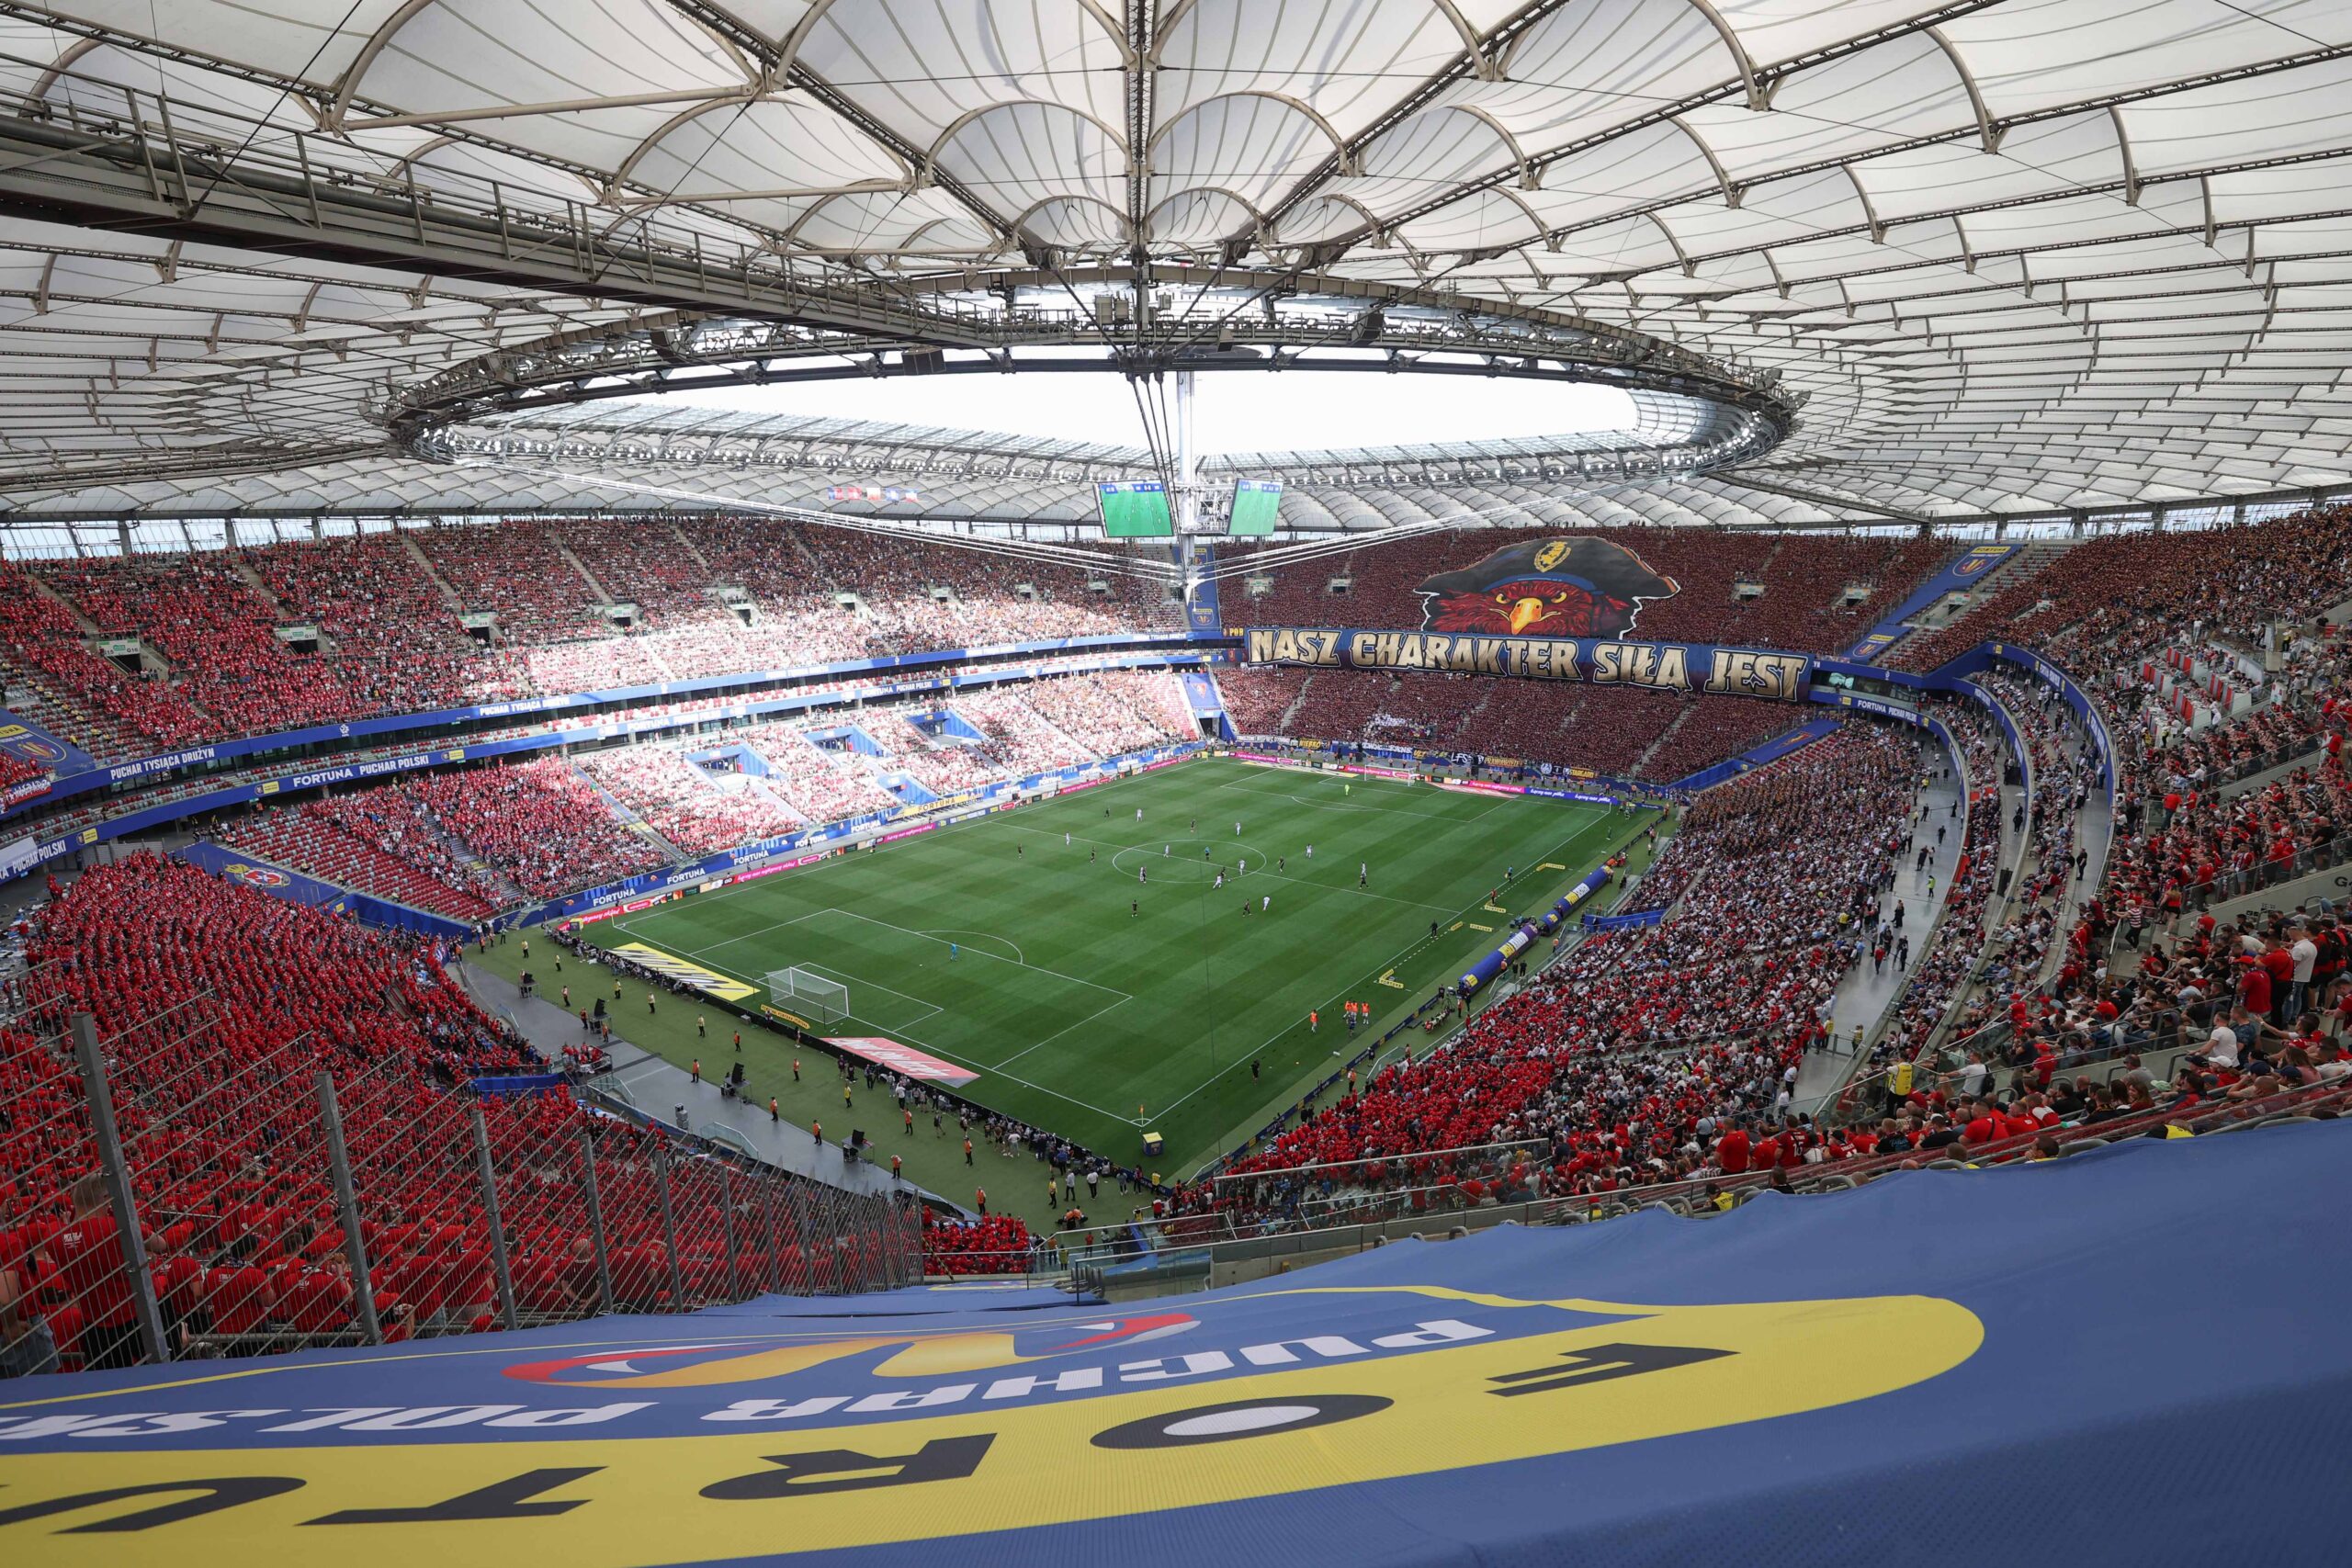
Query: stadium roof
{"x":1934,"y":260}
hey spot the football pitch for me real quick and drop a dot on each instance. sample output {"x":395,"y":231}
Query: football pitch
{"x":1081,"y":960}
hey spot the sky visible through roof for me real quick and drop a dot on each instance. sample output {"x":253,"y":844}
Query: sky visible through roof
{"x":1232,"y":413}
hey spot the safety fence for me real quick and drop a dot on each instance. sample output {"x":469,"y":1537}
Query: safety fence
{"x":1436,"y":1212}
{"x":177,"y":1200}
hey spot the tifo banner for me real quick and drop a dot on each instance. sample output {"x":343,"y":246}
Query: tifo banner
{"x":709,"y":981}
{"x":902,"y":1059}
{"x":1961,"y":572}
{"x":28,"y":742}
{"x":263,"y":877}
{"x":1829,"y":1379}
{"x":1579,"y":586}
{"x":1656,"y":666}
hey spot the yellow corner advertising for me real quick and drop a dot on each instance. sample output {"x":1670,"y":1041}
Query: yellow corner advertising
{"x":708,"y":981}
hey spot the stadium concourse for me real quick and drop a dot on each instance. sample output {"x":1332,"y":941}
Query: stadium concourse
{"x":610,"y":616}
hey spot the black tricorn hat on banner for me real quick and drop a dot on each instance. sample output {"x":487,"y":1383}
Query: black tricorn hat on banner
{"x":1614,"y":581}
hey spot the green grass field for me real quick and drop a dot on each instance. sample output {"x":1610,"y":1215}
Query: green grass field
{"x":1097,"y":1005}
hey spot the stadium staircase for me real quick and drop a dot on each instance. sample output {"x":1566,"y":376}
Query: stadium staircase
{"x":1486,"y":690}
{"x":1290,"y":713}
{"x":424,"y":565}
{"x":254,"y":585}
{"x":1634,"y":771}
{"x":644,"y":645}
{"x":692,"y":549}
{"x":630,"y":819}
{"x":40,"y":586}
{"x":761,"y":789}
{"x":2016,"y":572}
{"x":582,"y":567}
{"x":1076,"y":748}
{"x":497,"y":887}
{"x":2023,"y":566}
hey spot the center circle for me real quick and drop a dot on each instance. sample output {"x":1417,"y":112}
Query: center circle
{"x":1184,"y":862}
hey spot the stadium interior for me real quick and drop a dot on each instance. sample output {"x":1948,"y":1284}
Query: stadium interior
{"x":558,"y":874}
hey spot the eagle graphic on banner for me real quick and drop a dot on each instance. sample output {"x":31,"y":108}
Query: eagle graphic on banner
{"x":1580,"y":586}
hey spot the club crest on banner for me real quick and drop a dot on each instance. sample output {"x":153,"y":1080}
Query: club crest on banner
{"x":1577,"y":586}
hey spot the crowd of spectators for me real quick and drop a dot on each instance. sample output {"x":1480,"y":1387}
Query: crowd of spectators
{"x":821,"y":785}
{"x":1714,"y":730}
{"x":2111,"y":600}
{"x":376,"y":840}
{"x":202,"y":616}
{"x":1948,"y":954}
{"x":540,"y":824}
{"x":218,"y":1006}
{"x":1259,"y":698}
{"x":387,"y":610}
{"x":997,"y":1244}
{"x":2050,"y":863}
{"x":923,"y":597}
{"x":1016,"y":739}
{"x":1626,"y":1059}
{"x":1621,"y":731}
{"x":688,"y":807}
{"x":396,"y":644}
{"x":1113,"y":710}
{"x":517,"y":571}
{"x":194,"y":985}
{"x":110,"y":713}
{"x":17,"y":771}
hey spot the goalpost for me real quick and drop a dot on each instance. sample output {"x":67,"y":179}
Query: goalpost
{"x":827,"y":1001}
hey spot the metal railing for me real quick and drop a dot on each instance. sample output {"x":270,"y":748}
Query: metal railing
{"x":1437,"y":1213}
{"x":202,"y":1201}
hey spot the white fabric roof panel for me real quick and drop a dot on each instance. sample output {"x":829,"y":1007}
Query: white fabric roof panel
{"x":2014,"y":250}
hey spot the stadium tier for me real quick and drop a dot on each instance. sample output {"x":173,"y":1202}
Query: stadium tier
{"x":1767,"y":591}
{"x":441,"y":617}
{"x":1383,"y":784}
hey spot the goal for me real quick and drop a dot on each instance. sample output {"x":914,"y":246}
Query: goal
{"x":826,"y":1002}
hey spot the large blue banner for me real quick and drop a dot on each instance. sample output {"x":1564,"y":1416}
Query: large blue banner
{"x":1961,"y":572}
{"x":1202,"y":618}
{"x":295,"y":887}
{"x":1932,"y":1370}
{"x":54,"y":755}
{"x":1689,"y":667}
{"x":265,"y":876}
{"x":1772,"y":750}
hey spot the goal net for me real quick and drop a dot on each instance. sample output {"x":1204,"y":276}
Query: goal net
{"x":826,"y":1002}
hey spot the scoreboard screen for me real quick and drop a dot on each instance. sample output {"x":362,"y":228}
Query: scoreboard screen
{"x":1136,"y":508}
{"x":1257,"y":504}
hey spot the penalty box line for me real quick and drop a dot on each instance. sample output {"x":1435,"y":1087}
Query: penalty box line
{"x":847,"y":978}
{"x":978,"y":1069}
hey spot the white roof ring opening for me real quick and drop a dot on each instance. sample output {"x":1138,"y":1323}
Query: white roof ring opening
{"x":1860,"y":261}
